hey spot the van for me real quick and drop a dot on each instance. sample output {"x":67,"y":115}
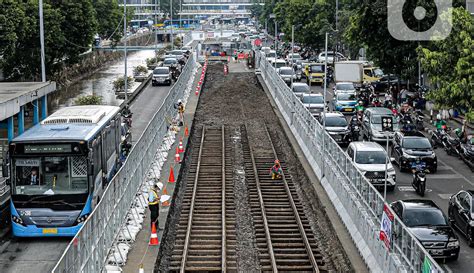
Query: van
{"x":371,"y":159}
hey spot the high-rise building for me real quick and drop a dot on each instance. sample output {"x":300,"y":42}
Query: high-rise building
{"x":144,"y":10}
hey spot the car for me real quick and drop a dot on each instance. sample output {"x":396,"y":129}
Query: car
{"x":300,"y":88}
{"x":372,"y":124}
{"x":287,"y":74}
{"x":291,"y":58}
{"x":161,"y":75}
{"x":407,"y":147}
{"x":314,"y":103}
{"x":278,"y":63}
{"x":337,"y":127}
{"x":429,"y":225}
{"x":370,"y":158}
{"x":314,"y":73}
{"x":381,"y":84}
{"x":345,"y":102}
{"x":170,"y":62}
{"x":344,"y":87}
{"x":339,"y":57}
{"x":271,"y":55}
{"x":461,"y":212}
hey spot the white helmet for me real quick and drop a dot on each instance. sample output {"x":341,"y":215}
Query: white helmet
{"x":159,"y":185}
{"x":179,"y":101}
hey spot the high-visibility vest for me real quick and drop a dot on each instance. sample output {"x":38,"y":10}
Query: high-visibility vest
{"x":156,"y":200}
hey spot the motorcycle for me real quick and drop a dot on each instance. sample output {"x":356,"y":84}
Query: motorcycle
{"x":355,"y":128}
{"x":419,"y":178}
{"x":452,"y":145}
{"x":419,"y":119}
{"x":467,"y":152}
{"x":127,"y":116}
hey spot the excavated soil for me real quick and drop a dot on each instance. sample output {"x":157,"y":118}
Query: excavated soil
{"x":234,"y":100}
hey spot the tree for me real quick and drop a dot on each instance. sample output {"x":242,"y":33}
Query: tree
{"x":450,"y":65}
{"x":110,"y":19}
{"x":89,"y":100}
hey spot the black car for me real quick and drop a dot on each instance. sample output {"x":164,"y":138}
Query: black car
{"x":429,"y":225}
{"x":381,"y":84}
{"x":337,"y":127}
{"x":460,"y":214}
{"x":407,"y":147}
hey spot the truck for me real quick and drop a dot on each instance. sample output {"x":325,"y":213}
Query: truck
{"x":349,"y":71}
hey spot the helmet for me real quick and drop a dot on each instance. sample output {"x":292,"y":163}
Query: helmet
{"x":159,"y":185}
{"x":438,"y":116}
{"x":277,"y":161}
{"x":179,"y":101}
{"x":457,"y":131}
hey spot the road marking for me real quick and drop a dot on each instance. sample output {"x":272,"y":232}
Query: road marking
{"x":444,"y":168}
{"x":461,"y":176}
{"x":447,"y":268}
{"x":445,"y":176}
{"x":445,"y":195}
{"x":410,"y":188}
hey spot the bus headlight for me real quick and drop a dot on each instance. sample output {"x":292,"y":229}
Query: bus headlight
{"x":82,"y":218}
{"x":17,"y":220}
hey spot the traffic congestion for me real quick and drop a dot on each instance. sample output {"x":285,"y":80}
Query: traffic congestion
{"x":424,"y":162}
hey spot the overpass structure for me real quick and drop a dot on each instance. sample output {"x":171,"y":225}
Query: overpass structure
{"x":217,"y":7}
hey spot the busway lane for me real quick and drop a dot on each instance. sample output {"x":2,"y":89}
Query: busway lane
{"x":26,"y":255}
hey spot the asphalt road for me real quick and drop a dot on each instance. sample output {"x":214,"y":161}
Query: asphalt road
{"x":18,"y":255}
{"x":452,"y":176}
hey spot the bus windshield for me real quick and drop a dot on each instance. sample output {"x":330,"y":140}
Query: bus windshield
{"x":50,"y":175}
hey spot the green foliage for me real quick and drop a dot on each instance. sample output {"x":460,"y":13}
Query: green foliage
{"x":89,"y":100}
{"x":119,"y":84}
{"x":69,"y":30}
{"x":165,"y":6}
{"x":450,"y":65}
{"x":109,"y":15}
{"x":140,"y":69}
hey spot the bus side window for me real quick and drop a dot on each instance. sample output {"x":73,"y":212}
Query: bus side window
{"x":97,"y":155}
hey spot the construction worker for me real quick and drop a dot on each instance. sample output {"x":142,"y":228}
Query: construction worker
{"x":181,"y":112}
{"x":276,"y":171}
{"x":154,"y":203}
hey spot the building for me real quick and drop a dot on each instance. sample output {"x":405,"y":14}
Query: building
{"x":470,"y":6}
{"x":234,"y":8}
{"x":144,"y":11}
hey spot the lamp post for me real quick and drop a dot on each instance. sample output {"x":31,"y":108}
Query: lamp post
{"x":155,"y":31}
{"x":125,"y":79}
{"x":324,"y":96}
{"x":292,"y":49}
{"x":43,"y":66}
{"x":171,"y":19}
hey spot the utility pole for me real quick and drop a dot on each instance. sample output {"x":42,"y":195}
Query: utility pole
{"x":292,"y":50}
{"x":324,"y":96}
{"x":156,"y":33}
{"x":180,"y":12}
{"x":125,"y":78}
{"x":43,"y":66}
{"x":171,"y":17}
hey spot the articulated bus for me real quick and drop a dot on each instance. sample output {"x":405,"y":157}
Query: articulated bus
{"x":60,"y":167}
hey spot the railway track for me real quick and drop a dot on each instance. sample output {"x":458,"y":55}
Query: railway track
{"x":283,"y":233}
{"x":206,"y":236}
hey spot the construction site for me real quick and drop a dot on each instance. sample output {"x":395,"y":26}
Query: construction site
{"x":227,"y":212}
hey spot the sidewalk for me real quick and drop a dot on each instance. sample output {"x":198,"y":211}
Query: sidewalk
{"x":141,"y":252}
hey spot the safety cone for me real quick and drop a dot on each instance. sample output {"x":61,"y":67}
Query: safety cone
{"x":171,"y":177}
{"x":141,"y":270}
{"x":180,"y":146}
{"x":186,"y":130}
{"x":165,"y":203}
{"x":197,"y":92}
{"x":177,"y":159}
{"x":153,"y":237}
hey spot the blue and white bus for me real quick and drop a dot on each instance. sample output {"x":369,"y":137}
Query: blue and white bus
{"x":59,"y":168}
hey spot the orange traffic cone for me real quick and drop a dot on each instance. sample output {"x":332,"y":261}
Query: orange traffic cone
{"x":180,"y":146}
{"x":177,"y":159}
{"x":153,"y":237}
{"x":186,"y":130}
{"x":171,"y":177}
{"x":167,"y":202}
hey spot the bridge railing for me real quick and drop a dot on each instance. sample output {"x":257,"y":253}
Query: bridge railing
{"x":358,"y":203}
{"x":88,"y":250}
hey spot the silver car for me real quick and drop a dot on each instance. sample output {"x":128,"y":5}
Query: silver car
{"x":314,"y":103}
{"x":300,"y":88}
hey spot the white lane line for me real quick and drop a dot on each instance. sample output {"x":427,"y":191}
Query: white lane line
{"x":447,"y":268}
{"x":445,"y":196}
{"x":445,"y":176}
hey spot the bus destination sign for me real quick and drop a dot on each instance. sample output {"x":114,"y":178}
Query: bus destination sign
{"x":48,"y":148}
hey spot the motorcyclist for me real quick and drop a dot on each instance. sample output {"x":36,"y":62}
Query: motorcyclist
{"x":360,"y":106}
{"x":417,"y":166}
{"x":440,"y":124}
{"x":276,"y":171}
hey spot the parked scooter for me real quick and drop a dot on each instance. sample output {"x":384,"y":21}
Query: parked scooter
{"x":438,"y":136}
{"x":419,"y":176}
{"x":467,"y":152}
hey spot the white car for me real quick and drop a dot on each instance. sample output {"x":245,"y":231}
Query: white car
{"x":294,"y":57}
{"x":370,"y":158}
{"x":339,"y":57}
{"x":344,"y":87}
{"x":278,"y":63}
{"x":300,"y":88}
{"x":314,"y":103}
{"x":287,"y":74}
{"x":271,"y":56}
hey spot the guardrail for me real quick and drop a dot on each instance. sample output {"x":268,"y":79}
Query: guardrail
{"x":357,"y":202}
{"x":87,"y":251}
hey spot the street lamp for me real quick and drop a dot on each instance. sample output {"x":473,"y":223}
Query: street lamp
{"x":125,"y":79}
{"x":273,"y":16}
{"x":43,"y":66}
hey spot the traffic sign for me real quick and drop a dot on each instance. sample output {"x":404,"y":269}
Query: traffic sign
{"x":387,"y":124}
{"x":257,"y":42}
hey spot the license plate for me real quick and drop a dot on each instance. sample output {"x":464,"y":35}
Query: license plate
{"x":348,"y":109}
{"x":50,"y":231}
{"x":436,"y":252}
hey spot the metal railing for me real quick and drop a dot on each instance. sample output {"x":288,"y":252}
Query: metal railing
{"x":357,"y":202}
{"x":88,"y":250}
